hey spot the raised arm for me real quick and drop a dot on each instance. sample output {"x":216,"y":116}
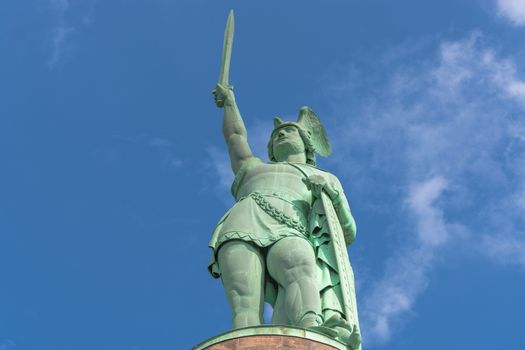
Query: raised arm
{"x":233,"y":127}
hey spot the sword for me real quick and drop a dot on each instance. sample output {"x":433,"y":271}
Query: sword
{"x":344,"y":269}
{"x":226,"y":55}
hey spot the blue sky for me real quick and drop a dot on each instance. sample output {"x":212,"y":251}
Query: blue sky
{"x":115,"y":172}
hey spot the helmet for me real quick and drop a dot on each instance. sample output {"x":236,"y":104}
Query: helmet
{"x":312,"y":132}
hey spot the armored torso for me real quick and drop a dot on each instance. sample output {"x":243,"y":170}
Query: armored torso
{"x":282,"y":187}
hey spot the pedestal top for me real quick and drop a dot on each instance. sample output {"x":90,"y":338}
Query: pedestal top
{"x":272,"y":337}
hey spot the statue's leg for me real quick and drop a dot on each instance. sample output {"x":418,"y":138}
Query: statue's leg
{"x":291,"y":262}
{"x":279,"y":315}
{"x":242,"y":270}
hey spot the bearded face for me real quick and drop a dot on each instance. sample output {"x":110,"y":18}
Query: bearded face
{"x":287,"y":141}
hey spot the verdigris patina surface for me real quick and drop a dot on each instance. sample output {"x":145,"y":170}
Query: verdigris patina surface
{"x":284,"y":241}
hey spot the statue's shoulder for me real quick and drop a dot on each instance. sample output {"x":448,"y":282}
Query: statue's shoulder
{"x":315,"y":170}
{"x":252,"y":161}
{"x":247,"y":164}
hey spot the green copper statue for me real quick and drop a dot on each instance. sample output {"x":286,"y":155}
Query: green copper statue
{"x":284,"y":241}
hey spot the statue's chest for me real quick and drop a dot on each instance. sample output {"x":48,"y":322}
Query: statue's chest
{"x":279,"y":177}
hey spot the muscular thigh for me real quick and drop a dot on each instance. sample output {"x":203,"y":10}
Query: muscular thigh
{"x":241,"y":265}
{"x":289,"y":259}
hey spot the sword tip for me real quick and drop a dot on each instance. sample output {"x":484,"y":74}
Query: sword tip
{"x":230,"y":21}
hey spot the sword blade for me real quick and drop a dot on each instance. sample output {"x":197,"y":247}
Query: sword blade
{"x":227,"y":50}
{"x":344,"y":269}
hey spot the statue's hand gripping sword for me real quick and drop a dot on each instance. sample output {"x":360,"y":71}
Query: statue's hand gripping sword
{"x":226,"y":56}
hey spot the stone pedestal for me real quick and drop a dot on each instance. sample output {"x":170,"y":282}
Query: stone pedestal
{"x":270,"y":338}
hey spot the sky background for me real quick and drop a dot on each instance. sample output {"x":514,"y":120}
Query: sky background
{"x":114,"y":172}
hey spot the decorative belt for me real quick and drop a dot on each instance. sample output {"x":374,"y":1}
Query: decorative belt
{"x":277,"y":214}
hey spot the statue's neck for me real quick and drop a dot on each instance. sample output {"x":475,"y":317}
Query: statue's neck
{"x":294,"y":158}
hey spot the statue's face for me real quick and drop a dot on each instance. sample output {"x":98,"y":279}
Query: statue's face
{"x":287,"y":141}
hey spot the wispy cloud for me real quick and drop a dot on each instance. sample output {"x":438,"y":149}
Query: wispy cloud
{"x":60,"y":33}
{"x":221,"y":166}
{"x":394,"y":294}
{"x":443,"y":138}
{"x":165,"y":150}
{"x":59,"y":5}
{"x":506,"y":250}
{"x":64,"y":29}
{"x":158,"y":148}
{"x":430,"y":224}
{"x":59,"y":44}
{"x":514,"y":10}
{"x":7,"y":344}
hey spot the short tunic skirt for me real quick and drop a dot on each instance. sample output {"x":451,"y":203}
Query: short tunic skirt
{"x":247,"y":221}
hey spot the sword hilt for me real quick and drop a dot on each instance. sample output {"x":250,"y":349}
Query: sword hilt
{"x":220,"y":102}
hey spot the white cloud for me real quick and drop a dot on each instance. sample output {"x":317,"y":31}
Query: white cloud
{"x":444,"y":137}
{"x":59,"y":5}
{"x":7,"y":344}
{"x":516,"y":89}
{"x":164,"y":147}
{"x":514,"y":10}
{"x":221,"y":166}
{"x":394,"y":294}
{"x":159,"y":147}
{"x":159,"y":142}
{"x":63,"y":31}
{"x":430,"y":223}
{"x":405,"y":277}
{"x":59,"y":44}
{"x":506,"y":250}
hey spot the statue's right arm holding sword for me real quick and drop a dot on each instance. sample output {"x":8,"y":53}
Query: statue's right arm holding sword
{"x":233,"y":128}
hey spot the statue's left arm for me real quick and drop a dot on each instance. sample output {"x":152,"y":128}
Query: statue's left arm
{"x":342,"y":208}
{"x":331,"y":185}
